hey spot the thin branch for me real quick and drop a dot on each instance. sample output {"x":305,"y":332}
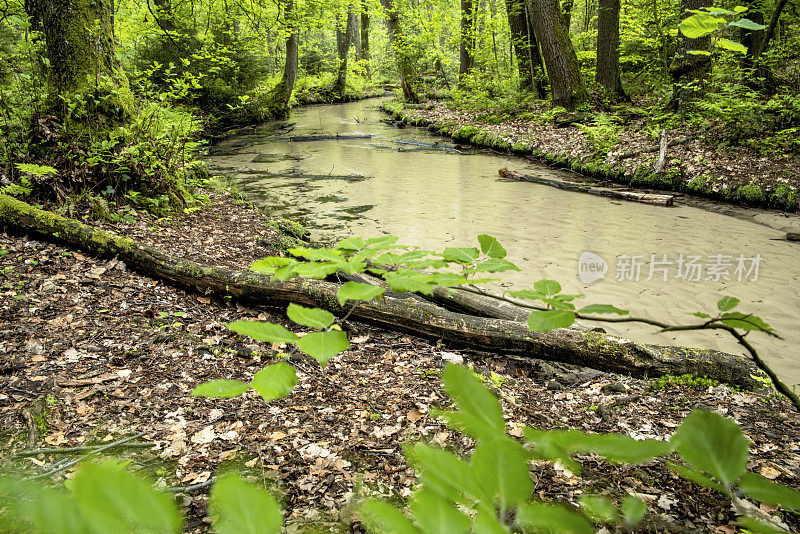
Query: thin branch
{"x":70,"y":450}
{"x":92,"y":453}
{"x":191,"y":488}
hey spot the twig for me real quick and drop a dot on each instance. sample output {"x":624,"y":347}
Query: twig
{"x":193,"y":487}
{"x":70,"y":450}
{"x":92,"y":453}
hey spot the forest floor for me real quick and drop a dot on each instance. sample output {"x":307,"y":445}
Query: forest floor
{"x":105,"y":353}
{"x":696,"y":165}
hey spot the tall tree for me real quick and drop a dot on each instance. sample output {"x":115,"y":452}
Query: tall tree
{"x":365,"y":35}
{"x":398,"y":42}
{"x":687,"y":69}
{"x":281,"y":94}
{"x":82,"y":60}
{"x":529,"y":61}
{"x":343,"y":41}
{"x":467,"y":41}
{"x":566,"y":86}
{"x":607,"y":73}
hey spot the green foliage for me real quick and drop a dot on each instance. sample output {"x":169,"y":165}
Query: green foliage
{"x":602,"y":135}
{"x":687,"y":380}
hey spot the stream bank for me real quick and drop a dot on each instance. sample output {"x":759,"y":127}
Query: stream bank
{"x":116,"y":353}
{"x":733,"y":175}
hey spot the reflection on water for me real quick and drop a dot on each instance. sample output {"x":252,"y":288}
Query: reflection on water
{"x":390,"y":184}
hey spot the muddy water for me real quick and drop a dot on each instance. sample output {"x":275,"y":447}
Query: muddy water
{"x":437,"y":198}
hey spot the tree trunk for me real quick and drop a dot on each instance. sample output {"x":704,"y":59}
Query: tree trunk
{"x":399,"y":312}
{"x":566,"y":86}
{"x":398,"y":43}
{"x":773,"y":23}
{"x":82,"y":59}
{"x":280,"y":96}
{"x":567,"y":9}
{"x":688,"y":70}
{"x":467,"y":42}
{"x":607,"y":73}
{"x":356,"y":37}
{"x":518,"y":24}
{"x":343,"y":41}
{"x":365,"y":36}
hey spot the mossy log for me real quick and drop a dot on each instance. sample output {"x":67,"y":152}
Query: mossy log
{"x":590,"y":349}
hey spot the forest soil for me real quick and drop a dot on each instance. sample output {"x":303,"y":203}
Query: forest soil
{"x":139,"y":346}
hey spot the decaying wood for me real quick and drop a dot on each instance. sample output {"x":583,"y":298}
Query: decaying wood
{"x":792,"y":237}
{"x":662,"y":153}
{"x":590,"y":349}
{"x":336,"y":137}
{"x":431,"y":146}
{"x":634,"y":196}
{"x":650,"y":150}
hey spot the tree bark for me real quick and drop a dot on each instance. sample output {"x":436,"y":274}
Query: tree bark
{"x":398,"y":43}
{"x":590,"y":349}
{"x":607,"y":73}
{"x":688,"y":70}
{"x":566,"y":86}
{"x":528,"y":58}
{"x":467,"y":42}
{"x":343,"y":41}
{"x":79,"y":37}
{"x":773,"y":23}
{"x":365,"y":36}
{"x":280,"y":96}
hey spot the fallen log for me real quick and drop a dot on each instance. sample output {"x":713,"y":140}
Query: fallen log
{"x":336,"y":137}
{"x":662,"y":153}
{"x":792,"y":237}
{"x":590,"y":349}
{"x":431,"y":146}
{"x":634,"y":196}
{"x":650,"y":150}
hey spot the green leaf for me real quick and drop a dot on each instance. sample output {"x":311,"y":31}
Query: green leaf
{"x":436,"y":515}
{"x":382,"y":243}
{"x":351,"y":244}
{"x":263,"y":331}
{"x":599,"y":508}
{"x":602,"y":308}
{"x":112,"y":500}
{"x":769,"y":492}
{"x":758,"y":527}
{"x":747,"y":24}
{"x":712,"y":444}
{"x":238,"y":507}
{"x":501,"y":469}
{"x":733,"y":46}
{"x":274,"y":381}
{"x":47,"y":509}
{"x":695,"y":476}
{"x":405,"y":280}
{"x":220,"y":389}
{"x":491,"y":247}
{"x":449,"y":279}
{"x":619,"y":448}
{"x":541,"y":517}
{"x":316,"y":270}
{"x":527,"y":294}
{"x":700,"y":25}
{"x":442,"y":471}
{"x":702,"y":315}
{"x":383,"y":518}
{"x":464,"y":256}
{"x":317,"y":254}
{"x":740,"y":9}
{"x":483,"y":417}
{"x":700,"y":52}
{"x":547,"y":320}
{"x":322,"y":346}
{"x":633,"y":510}
{"x":270,"y":265}
{"x":745,"y":321}
{"x":727,"y":303}
{"x":559,"y":304}
{"x":313,"y":317}
{"x":496,"y":265}
{"x":548,"y":287}
{"x":358,"y":291}
{"x":486,"y":522}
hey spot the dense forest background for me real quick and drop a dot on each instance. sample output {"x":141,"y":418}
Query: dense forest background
{"x":109,"y":93}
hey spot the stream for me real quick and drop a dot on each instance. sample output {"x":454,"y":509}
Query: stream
{"x":662,"y":262}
